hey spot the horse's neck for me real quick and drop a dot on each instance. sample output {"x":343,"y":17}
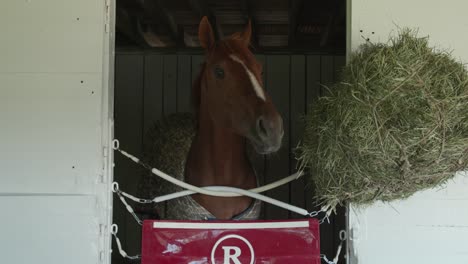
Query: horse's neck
{"x":218,"y":157}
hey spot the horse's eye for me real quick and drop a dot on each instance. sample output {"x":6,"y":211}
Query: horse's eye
{"x":219,"y":73}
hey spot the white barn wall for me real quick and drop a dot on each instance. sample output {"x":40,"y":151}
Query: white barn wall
{"x":55,"y":110}
{"x":431,"y":226}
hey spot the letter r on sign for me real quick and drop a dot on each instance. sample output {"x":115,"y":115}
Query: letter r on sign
{"x":231,"y":253}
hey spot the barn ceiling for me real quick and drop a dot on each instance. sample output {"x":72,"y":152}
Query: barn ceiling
{"x":289,"y":24}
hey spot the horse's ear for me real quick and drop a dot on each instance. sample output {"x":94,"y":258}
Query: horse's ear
{"x":205,"y":34}
{"x":247,"y":33}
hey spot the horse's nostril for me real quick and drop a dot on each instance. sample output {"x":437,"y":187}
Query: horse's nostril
{"x":261,"y":127}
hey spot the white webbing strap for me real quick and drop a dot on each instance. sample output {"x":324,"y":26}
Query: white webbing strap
{"x":227,"y":194}
{"x":175,"y":195}
{"x":220,"y":190}
{"x":223,"y":189}
{"x":114,"y":230}
{"x":343,"y":237}
{"x":116,"y":189}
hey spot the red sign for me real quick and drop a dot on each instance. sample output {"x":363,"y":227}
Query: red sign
{"x":233,"y":242}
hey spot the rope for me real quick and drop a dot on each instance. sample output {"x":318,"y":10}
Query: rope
{"x":226,"y":194}
{"x":116,"y":189}
{"x":220,"y":191}
{"x":114,"y":230}
{"x":214,"y":190}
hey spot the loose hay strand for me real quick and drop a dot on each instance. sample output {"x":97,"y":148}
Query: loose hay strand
{"x":397,"y":123}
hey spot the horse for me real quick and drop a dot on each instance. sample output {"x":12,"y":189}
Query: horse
{"x":231,"y":109}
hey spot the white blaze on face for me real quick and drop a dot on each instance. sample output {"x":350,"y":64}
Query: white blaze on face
{"x":258,"y":89}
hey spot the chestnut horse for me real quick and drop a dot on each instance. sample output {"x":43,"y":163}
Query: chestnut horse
{"x":232,"y":107}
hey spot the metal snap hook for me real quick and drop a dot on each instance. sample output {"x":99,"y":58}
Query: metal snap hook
{"x":343,"y":235}
{"x":115,"y":144}
{"x":114,"y":229}
{"x":313,"y":214}
{"x":115,"y":187}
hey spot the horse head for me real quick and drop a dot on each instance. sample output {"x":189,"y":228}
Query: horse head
{"x":231,"y":90}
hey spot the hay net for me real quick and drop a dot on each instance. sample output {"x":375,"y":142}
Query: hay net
{"x":397,"y":123}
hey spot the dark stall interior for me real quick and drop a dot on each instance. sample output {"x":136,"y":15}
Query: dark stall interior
{"x":301,"y":45}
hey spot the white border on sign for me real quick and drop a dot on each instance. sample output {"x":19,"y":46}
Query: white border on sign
{"x":208,"y":225}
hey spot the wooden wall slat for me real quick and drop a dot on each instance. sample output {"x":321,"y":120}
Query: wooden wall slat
{"x":128,"y":129}
{"x":327,"y":230}
{"x":314,"y":72}
{"x":340,"y":219}
{"x":327,"y":73}
{"x":277,"y":165}
{"x":338,"y":63}
{"x":170,"y":84}
{"x":297,"y":105}
{"x":312,"y":94}
{"x":153,"y":96}
{"x":184,"y":83}
{"x":153,"y":90}
{"x":197,"y":60}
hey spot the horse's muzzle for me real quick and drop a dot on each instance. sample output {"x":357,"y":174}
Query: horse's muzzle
{"x":268,"y":134}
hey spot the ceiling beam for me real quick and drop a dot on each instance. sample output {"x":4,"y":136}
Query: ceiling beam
{"x":328,"y":31}
{"x":152,"y":39}
{"x":294,"y":8}
{"x":202,"y":8}
{"x":125,"y":25}
{"x":159,"y":14}
{"x":248,"y":13}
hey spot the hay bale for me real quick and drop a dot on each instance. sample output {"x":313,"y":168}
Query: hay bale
{"x":397,"y":123}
